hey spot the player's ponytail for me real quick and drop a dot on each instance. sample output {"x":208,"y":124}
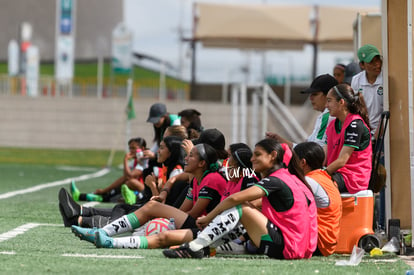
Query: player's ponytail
{"x":355,"y":102}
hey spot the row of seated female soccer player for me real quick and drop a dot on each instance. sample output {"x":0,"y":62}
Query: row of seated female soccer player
{"x":171,"y":154}
{"x":233,"y":216}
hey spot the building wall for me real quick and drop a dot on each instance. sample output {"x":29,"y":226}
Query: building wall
{"x":95,"y":21}
{"x":88,"y":123}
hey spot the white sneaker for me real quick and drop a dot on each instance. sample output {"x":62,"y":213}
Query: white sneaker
{"x":231,"y":248}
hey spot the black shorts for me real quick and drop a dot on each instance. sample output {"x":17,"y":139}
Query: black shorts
{"x":190,"y":223}
{"x":274,"y":248}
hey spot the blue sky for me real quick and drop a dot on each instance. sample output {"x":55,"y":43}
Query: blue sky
{"x":155,"y":24}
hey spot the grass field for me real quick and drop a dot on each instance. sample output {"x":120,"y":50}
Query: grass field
{"x":34,"y":241}
{"x":89,"y":70}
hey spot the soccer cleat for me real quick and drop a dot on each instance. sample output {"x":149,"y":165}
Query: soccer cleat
{"x":69,"y":206}
{"x":74,"y":191}
{"x":231,"y":248}
{"x":87,"y":234}
{"x":183,"y":251}
{"x":128,"y":195}
{"x":68,"y":222}
{"x":102,"y":240}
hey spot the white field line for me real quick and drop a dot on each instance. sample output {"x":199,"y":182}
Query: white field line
{"x":97,"y":174}
{"x":7,"y":252}
{"x":381,"y":261}
{"x":102,"y":256}
{"x":75,"y":168}
{"x":21,"y":230}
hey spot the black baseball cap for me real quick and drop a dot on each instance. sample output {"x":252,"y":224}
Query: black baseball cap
{"x":157,"y":110}
{"x":322,"y":83}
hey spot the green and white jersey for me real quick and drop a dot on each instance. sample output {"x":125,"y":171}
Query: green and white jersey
{"x":319,"y":130}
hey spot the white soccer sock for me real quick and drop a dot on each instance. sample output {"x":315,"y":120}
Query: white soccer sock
{"x":127,"y":242}
{"x":220,"y":226}
{"x":233,"y":235}
{"x":118,"y":226}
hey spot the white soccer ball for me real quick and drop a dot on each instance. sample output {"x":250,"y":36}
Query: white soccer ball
{"x":156,"y":226}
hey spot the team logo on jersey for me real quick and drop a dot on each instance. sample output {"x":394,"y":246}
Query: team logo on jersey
{"x":380,"y":90}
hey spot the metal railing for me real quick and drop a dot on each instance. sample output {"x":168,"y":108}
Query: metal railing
{"x":264,"y":102}
{"x":84,"y":86}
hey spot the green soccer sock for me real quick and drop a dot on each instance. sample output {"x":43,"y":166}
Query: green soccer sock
{"x":93,"y":197}
{"x":133,"y":220}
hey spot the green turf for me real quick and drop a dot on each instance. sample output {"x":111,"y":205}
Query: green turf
{"x":15,"y":176}
{"x":42,"y":249}
{"x":88,"y":71}
{"x":96,"y":158}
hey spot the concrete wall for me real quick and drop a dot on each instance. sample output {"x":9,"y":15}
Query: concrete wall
{"x":86,"y":122}
{"x":83,"y":122}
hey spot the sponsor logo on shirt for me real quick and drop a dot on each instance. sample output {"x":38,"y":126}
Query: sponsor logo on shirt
{"x":380,"y":90}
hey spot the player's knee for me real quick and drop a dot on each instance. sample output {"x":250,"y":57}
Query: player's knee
{"x":150,"y":207}
{"x":151,"y":204}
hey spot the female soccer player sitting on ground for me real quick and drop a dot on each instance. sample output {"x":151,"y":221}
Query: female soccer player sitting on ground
{"x":171,"y":156}
{"x":327,"y":197}
{"x":348,"y":149}
{"x":177,"y":131}
{"x":239,"y":161}
{"x":132,"y":176}
{"x":207,"y":188}
{"x":286,"y":226}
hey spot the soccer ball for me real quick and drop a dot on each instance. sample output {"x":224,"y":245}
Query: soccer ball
{"x":156,"y":226}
